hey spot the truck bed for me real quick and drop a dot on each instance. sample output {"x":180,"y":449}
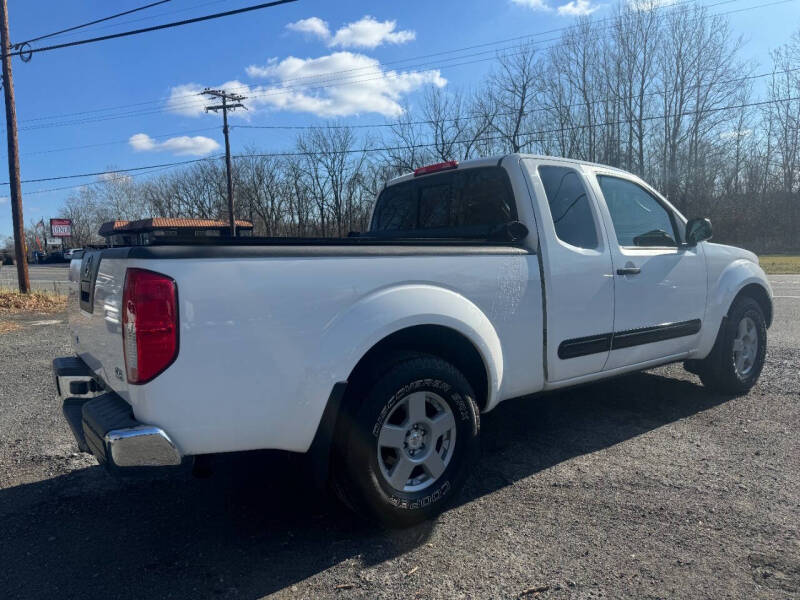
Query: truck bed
{"x":268,"y":327}
{"x":245,"y":247}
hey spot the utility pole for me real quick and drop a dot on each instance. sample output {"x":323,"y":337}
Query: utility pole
{"x":229,"y":102}
{"x":13,"y":156}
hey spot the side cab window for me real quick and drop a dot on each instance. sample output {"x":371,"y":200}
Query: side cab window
{"x":569,"y":206}
{"x":639,"y":218}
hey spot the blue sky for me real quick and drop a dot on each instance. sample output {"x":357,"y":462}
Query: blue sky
{"x":131,"y":102}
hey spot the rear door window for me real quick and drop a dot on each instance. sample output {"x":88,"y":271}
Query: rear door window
{"x":467,"y":203}
{"x":569,"y":206}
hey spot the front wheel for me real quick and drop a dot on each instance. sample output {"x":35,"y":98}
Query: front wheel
{"x":410,"y":443}
{"x":735,"y":363}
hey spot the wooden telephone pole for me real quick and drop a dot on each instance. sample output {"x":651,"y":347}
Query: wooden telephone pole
{"x":236,"y":102}
{"x":13,"y":156}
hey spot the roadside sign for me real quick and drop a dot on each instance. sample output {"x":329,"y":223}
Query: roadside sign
{"x":61,"y":227}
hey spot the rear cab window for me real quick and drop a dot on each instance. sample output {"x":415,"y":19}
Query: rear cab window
{"x":467,"y":203}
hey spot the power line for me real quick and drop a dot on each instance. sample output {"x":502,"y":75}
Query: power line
{"x":112,"y":171}
{"x":465,"y":117}
{"x":398,"y":123}
{"x":153,"y":28}
{"x":673,"y":6}
{"x":284,"y":90}
{"x":526,"y":134}
{"x":111,"y":143}
{"x":415,"y":146}
{"x":334,"y":81}
{"x":526,"y":113}
{"x":338,"y":81}
{"x":145,"y":18}
{"x":665,"y":7}
{"x":122,"y":14}
{"x":375,"y":125}
{"x":121,"y":176}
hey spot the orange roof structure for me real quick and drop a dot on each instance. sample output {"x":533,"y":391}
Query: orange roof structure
{"x":141,"y":225}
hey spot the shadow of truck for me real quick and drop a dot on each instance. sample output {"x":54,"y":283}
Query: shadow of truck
{"x":257,"y":526}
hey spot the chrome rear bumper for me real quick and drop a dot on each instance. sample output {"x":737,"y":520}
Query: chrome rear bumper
{"x":141,"y":446}
{"x":103,"y":423}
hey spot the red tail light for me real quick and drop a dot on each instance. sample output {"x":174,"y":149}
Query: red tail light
{"x":149,"y":324}
{"x":442,"y":166}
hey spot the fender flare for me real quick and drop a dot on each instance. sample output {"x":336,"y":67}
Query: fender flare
{"x":351,"y":334}
{"x":722,"y":292}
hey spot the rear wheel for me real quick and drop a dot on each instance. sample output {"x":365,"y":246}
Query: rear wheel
{"x":735,"y":363}
{"x":409,"y":443}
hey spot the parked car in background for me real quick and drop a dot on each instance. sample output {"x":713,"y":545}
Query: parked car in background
{"x":72,"y":253}
{"x":376,"y":355}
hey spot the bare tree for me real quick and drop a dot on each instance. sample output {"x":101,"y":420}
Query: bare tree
{"x":663,"y":93}
{"x":636,"y":36}
{"x":784,"y":112}
{"x":405,"y":143}
{"x":261,"y":191}
{"x":513,"y":88}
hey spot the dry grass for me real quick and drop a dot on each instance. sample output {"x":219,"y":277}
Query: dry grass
{"x":777,"y":264}
{"x":36,"y":302}
{"x":9,"y":326}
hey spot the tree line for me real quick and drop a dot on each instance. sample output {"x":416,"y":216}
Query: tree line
{"x":666,"y":94}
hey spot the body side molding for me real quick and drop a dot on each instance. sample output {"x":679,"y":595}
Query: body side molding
{"x":603,"y":342}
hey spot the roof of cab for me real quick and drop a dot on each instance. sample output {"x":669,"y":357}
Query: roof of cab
{"x":496,"y":160}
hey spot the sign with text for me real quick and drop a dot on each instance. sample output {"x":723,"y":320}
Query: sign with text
{"x":61,"y":227}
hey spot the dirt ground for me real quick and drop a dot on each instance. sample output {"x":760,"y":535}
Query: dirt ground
{"x":646,"y":486}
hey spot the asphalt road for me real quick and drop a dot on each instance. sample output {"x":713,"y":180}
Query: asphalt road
{"x":646,"y":486}
{"x":51,"y":278}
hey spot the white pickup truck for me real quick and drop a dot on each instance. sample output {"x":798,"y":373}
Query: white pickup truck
{"x":376,"y":354}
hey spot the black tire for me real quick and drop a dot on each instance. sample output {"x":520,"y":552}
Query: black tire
{"x":718,"y":371}
{"x":358,"y":462}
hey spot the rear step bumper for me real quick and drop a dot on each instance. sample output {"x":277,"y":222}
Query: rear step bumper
{"x":103,"y":423}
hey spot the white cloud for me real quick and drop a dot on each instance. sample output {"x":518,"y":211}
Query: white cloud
{"x":339,"y":84}
{"x":532,"y":4}
{"x":649,"y":4}
{"x":3,"y":199}
{"x":188,"y":100}
{"x":577,"y":8}
{"x":112,"y":176}
{"x":727,"y":135}
{"x":182,"y":145}
{"x":367,"y":88}
{"x":313,"y":25}
{"x":367,"y":32}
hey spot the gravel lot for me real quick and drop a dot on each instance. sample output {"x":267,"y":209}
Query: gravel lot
{"x":646,"y":486}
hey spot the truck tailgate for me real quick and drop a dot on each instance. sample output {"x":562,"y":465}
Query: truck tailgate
{"x":95,"y":318}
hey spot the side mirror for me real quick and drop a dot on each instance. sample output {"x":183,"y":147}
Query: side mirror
{"x":697,"y":230}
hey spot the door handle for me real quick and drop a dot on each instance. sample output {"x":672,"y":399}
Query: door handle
{"x":629,"y":271}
